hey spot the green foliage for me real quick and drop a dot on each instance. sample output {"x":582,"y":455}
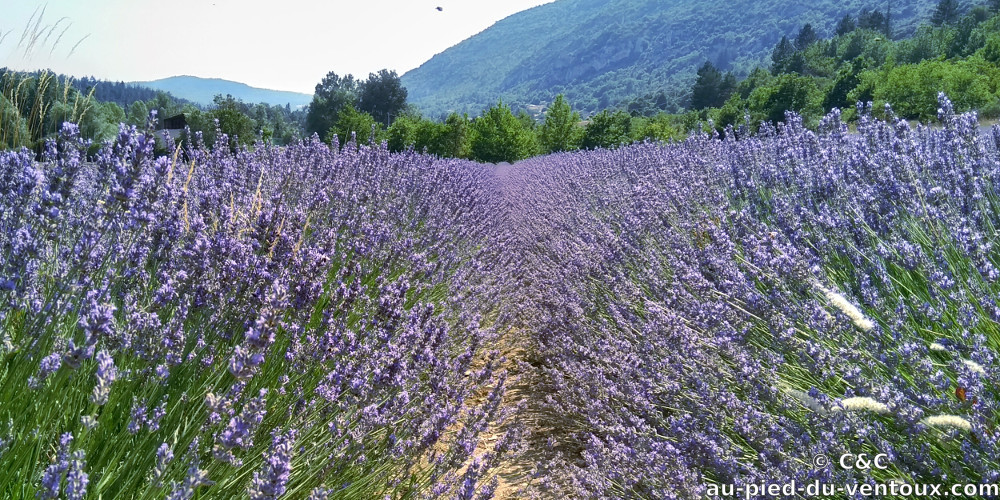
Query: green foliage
{"x":733,"y":112}
{"x":446,"y":139}
{"x":608,"y":130}
{"x":759,"y":77}
{"x":927,"y":43}
{"x":991,"y":50}
{"x":13,"y":127}
{"x":403,"y":132}
{"x":35,"y":105}
{"x":946,"y":12}
{"x":912,"y":88}
{"x":332,"y":94}
{"x":845,"y":25}
{"x":874,"y":20}
{"x":245,"y":122}
{"x":431,"y":137}
{"x":788,"y":92}
{"x":806,"y":37}
{"x":991,"y":110}
{"x":662,"y":127}
{"x":561,"y":130}
{"x":240,"y":128}
{"x":846,"y":80}
{"x":101,"y":123}
{"x":363,"y":126}
{"x":862,"y":43}
{"x":456,"y":142}
{"x":498,"y":136}
{"x":382,"y":96}
{"x":705,"y":92}
{"x":782,"y":58}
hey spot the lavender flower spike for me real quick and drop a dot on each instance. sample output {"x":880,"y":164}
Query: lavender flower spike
{"x":106,"y":374}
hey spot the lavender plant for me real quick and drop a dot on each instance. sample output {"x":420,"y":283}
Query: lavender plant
{"x":272,"y":323}
{"x":721,"y":311}
{"x":325,"y":322}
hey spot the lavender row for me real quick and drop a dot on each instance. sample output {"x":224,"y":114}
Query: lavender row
{"x":722,"y":311}
{"x":277,"y":322}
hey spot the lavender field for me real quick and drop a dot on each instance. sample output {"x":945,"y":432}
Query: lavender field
{"x":655,"y":321}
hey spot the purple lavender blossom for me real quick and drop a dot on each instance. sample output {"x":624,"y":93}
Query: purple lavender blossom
{"x":272,"y":481}
{"x":106,"y":374}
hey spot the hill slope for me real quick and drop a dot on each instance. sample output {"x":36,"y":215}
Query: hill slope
{"x":600,"y":53}
{"x":203,"y":90}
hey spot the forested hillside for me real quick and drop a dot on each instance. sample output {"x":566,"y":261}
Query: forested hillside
{"x":600,"y":54}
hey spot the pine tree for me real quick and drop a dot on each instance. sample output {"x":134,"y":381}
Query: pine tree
{"x":806,"y":37}
{"x":705,"y":91}
{"x":845,"y":26}
{"x":873,"y":20}
{"x":726,"y":89}
{"x":781,"y":55}
{"x":945,"y":13}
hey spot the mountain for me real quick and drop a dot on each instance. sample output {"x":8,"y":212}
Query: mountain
{"x":601,"y":53}
{"x":203,"y":90}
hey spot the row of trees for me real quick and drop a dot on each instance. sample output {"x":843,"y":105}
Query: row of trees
{"x":245,"y":122}
{"x":375,"y":110}
{"x":500,"y":135}
{"x":343,"y":101}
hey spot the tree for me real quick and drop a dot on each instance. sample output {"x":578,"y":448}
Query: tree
{"x":423,"y":135}
{"x":608,"y":130}
{"x":705,"y":92}
{"x":403,"y":132}
{"x":845,"y":26}
{"x":781,"y":55}
{"x":846,"y":80}
{"x":787,"y":92}
{"x":806,"y":37}
{"x":912,"y":89}
{"x":662,"y":127}
{"x":382,"y":95}
{"x":726,"y":89}
{"x":365,"y":128}
{"x":946,"y":12}
{"x":874,"y":20}
{"x":332,"y":94}
{"x":991,"y":50}
{"x":457,"y":137}
{"x":137,"y":114}
{"x":498,"y":136}
{"x":240,"y":128}
{"x":759,"y":77}
{"x":855,"y":46}
{"x":560,"y":131}
{"x":101,"y":122}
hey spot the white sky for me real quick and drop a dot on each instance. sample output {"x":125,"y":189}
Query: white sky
{"x":282,"y":45}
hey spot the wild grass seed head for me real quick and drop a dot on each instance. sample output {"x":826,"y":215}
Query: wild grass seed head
{"x":863,"y":403}
{"x":850,"y":310}
{"x":947,"y":421}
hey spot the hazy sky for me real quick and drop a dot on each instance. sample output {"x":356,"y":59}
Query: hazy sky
{"x":284,"y":44}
